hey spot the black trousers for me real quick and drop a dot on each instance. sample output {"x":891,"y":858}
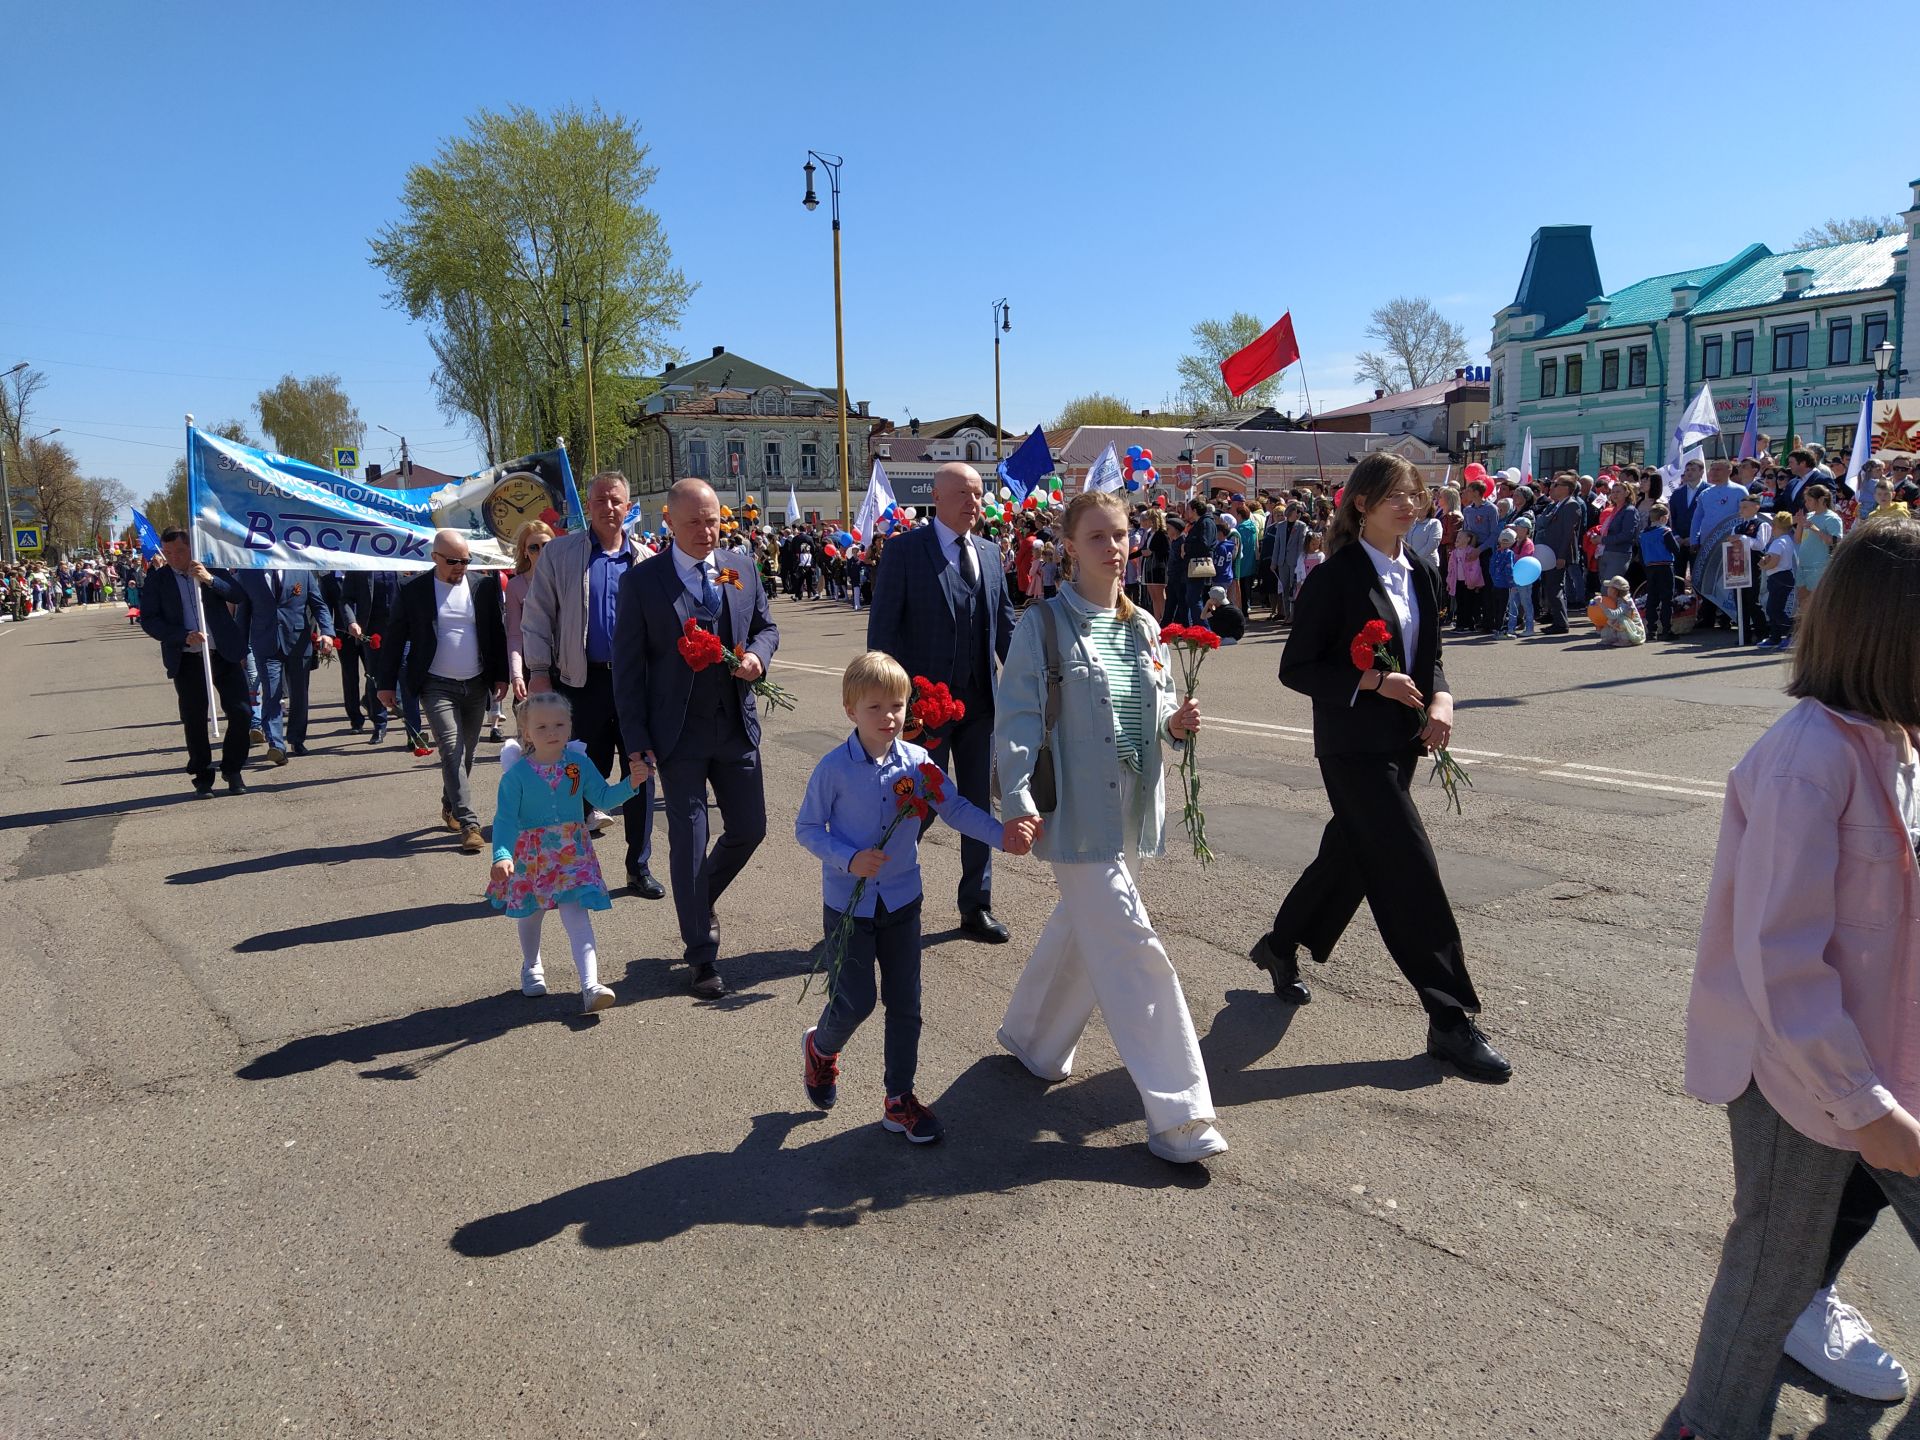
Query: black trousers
{"x":966,"y":752}
{"x":597,"y":726}
{"x":1659,"y":599}
{"x":1375,"y":848}
{"x":712,"y":753}
{"x":236,"y":708}
{"x":350,"y":686}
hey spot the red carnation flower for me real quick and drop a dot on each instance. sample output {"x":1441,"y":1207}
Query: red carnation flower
{"x":1376,"y":632}
{"x":1361,"y":654}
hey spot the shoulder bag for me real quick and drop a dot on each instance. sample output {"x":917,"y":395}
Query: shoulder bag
{"x":1045,"y":785}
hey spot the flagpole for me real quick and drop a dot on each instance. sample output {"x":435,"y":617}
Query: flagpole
{"x":1317,"y":467}
{"x":199,"y":598}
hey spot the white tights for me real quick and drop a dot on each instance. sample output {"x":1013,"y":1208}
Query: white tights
{"x":578,"y":924}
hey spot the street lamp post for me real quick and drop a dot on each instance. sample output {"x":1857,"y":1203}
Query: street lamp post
{"x":6,"y":491}
{"x":1473,"y":441}
{"x":832,"y":164}
{"x":1002,"y":323}
{"x":1882,"y":363}
{"x":1192,"y":457}
{"x":586,"y":355}
{"x":406,"y":460}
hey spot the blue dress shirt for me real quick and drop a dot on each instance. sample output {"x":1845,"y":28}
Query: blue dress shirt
{"x":850,"y":801}
{"x":1713,"y":506}
{"x":605,"y":570}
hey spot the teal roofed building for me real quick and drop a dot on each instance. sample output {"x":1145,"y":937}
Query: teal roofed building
{"x":1601,"y":376}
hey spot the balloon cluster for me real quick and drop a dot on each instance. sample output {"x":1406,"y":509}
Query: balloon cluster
{"x":1043,"y":496}
{"x":1137,"y":465}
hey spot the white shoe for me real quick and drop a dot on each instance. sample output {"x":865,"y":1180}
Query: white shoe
{"x":1007,"y":1044}
{"x":594,"y":998}
{"x":598,"y":821}
{"x":1195,"y":1140}
{"x":1833,"y":1341}
{"x":533,"y":982}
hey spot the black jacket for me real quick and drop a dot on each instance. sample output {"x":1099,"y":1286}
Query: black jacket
{"x":1339,"y":597}
{"x":413,"y":622}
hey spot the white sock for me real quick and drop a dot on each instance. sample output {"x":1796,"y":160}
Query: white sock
{"x":579,"y":928}
{"x":530,"y":942}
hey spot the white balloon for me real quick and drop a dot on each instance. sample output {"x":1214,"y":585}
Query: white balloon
{"x":911,"y":513}
{"x":1544,"y":554}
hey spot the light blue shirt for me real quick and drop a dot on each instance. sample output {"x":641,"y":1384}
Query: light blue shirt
{"x":605,"y":570}
{"x":850,"y":801}
{"x":1482,"y":520}
{"x":1714,"y":505}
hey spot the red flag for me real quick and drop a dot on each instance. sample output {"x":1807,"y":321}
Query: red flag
{"x":1265,"y":357}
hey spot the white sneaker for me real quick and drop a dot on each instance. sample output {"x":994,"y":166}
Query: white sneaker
{"x":533,"y":982}
{"x":1833,"y":1341}
{"x":598,"y":821}
{"x":595,"y":997}
{"x":1195,"y":1140}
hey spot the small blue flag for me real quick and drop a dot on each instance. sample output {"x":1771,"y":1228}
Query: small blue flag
{"x":149,"y":539}
{"x":1023,"y":469}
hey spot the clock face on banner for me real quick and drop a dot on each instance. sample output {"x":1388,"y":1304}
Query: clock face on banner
{"x":518,"y":498}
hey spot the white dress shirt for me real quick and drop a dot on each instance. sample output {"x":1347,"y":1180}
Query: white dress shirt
{"x":950,"y":543}
{"x":1396,"y":573}
{"x":694,"y":572}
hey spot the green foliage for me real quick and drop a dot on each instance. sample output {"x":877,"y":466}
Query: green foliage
{"x":1095,"y":409}
{"x":526,"y":249}
{"x":1202,"y":391}
{"x":307,"y":418}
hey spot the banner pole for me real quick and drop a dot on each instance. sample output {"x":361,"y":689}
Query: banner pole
{"x":199,"y":598}
{"x":1318,"y":468}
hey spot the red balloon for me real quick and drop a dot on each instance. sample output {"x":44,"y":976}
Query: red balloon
{"x":1030,"y":503}
{"x":1161,"y":501}
{"x":831,"y":552}
{"x":1247,"y":470}
{"x":854,"y":533}
{"x":1126,"y":463}
{"x":1145,"y":454}
{"x":1475,"y":471}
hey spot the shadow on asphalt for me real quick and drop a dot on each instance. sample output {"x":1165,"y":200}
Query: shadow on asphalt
{"x":833,"y":1181}
{"x":392,"y":848}
{"x":31,"y":818}
{"x":744,"y":974}
{"x":373,"y":926}
{"x":126,"y":755}
{"x":110,"y":729}
{"x":443,"y":1030}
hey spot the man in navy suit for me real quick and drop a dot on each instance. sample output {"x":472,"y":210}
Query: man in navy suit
{"x":941,"y":610}
{"x":695,"y":729}
{"x":285,"y":608}
{"x":168,"y":614}
{"x":366,"y":602}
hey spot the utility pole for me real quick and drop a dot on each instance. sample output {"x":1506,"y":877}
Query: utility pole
{"x":406,"y":461}
{"x":6,"y":491}
{"x":1002,"y":322}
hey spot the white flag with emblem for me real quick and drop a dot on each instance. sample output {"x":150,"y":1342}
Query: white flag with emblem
{"x":794,"y":517}
{"x":1105,"y":474}
{"x":879,"y":500}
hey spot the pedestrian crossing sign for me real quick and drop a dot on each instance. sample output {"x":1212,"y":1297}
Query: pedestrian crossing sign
{"x":346,"y":457}
{"x":26,"y":539}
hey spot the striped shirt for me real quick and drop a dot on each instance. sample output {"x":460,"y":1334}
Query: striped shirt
{"x":1112,"y":641}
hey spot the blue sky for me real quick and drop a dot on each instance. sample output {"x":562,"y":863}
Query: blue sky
{"x":191,"y":186}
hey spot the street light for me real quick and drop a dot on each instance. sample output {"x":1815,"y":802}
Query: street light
{"x":1882,"y":363}
{"x":406,"y":464}
{"x":1193,"y":465}
{"x":1473,"y":439}
{"x":812,"y":202}
{"x":1001,"y":325}
{"x":593,"y":438}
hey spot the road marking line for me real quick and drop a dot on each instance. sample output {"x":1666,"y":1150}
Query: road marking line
{"x":1629,"y":784}
{"x":1636,"y":774}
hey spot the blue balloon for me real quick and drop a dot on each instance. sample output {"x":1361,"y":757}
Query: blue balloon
{"x":844,"y":537}
{"x":1133,"y":484}
{"x":1526,"y":570}
{"x":1133,"y":451}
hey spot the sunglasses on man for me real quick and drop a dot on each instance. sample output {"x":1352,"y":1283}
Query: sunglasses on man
{"x":450,"y":560}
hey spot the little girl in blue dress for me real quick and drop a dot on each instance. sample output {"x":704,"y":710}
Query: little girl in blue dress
{"x":542,"y":854}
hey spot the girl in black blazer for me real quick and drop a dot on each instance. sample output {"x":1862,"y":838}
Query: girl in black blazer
{"x":1369,"y":731}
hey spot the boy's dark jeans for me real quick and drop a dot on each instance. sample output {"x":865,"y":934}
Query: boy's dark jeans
{"x":890,"y":941}
{"x":1659,"y":598}
{"x":1779,"y":592}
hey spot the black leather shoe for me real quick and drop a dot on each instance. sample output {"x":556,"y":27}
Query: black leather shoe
{"x":1469,"y":1052}
{"x":981,"y":925}
{"x":236,"y":785}
{"x":705,"y":983}
{"x":1285,"y":969}
{"x":642,"y":883}
{"x":379,"y":735}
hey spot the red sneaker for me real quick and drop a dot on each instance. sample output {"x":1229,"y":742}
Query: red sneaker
{"x":821,"y":1074}
{"x":906,"y":1116}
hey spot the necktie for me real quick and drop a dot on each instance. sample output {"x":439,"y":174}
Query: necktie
{"x":709,"y":592}
{"x":969,"y":563}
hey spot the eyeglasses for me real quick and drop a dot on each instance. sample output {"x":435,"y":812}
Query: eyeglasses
{"x":449,"y":560}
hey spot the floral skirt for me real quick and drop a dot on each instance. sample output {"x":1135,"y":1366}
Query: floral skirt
{"x":552,"y":865}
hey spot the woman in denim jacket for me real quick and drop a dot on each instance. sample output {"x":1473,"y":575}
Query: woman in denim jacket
{"x":1099,"y":947}
{"x":1802,"y":1020}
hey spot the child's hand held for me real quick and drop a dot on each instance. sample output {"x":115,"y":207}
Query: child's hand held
{"x":867,"y":863}
{"x":503,"y":870}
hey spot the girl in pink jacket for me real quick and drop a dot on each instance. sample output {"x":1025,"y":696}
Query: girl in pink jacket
{"x":1804,"y":1019}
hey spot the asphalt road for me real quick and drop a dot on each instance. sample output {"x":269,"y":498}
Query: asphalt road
{"x":288,"y":1154}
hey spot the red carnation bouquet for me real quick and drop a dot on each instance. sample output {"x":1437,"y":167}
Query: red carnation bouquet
{"x":916,"y":794}
{"x":701,"y":648}
{"x":931,"y":708}
{"x":1369,"y":651}
{"x":1190,"y":645}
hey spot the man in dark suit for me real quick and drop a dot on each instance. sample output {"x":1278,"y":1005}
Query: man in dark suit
{"x":940,"y":609}
{"x":452,"y":626}
{"x":168,"y":613}
{"x":285,"y":608}
{"x":696,"y":728}
{"x":366,"y":603}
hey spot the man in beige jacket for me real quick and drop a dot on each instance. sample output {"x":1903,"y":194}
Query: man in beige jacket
{"x":567,"y":639}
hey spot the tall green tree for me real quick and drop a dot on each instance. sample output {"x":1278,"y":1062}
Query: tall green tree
{"x":1419,"y":346}
{"x":1095,"y":409}
{"x":307,"y":418}
{"x":1202,"y":391}
{"x":528,"y":251}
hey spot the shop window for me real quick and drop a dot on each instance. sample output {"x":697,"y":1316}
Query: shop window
{"x":1623,"y":452}
{"x":1552,"y":459}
